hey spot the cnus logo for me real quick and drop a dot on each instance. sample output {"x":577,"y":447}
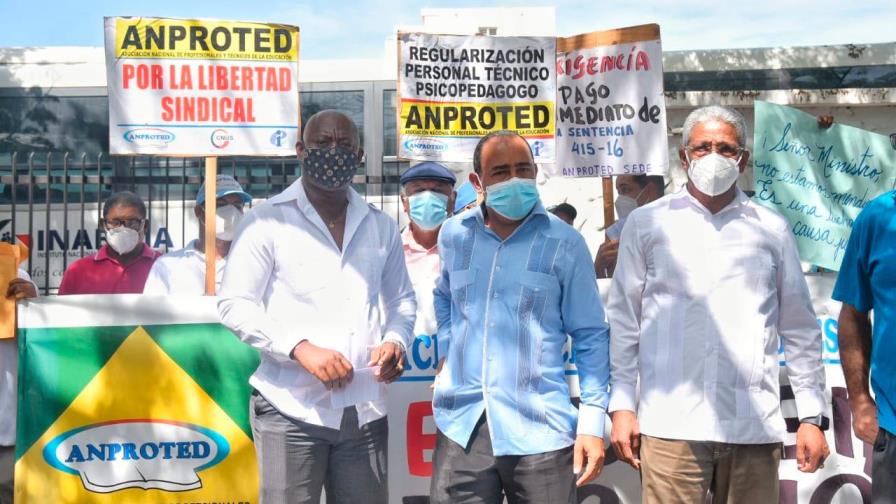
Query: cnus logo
{"x":147,"y":454}
{"x":220,"y":138}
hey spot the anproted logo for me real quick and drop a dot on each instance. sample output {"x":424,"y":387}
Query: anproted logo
{"x":424,"y":145}
{"x":278,"y":137}
{"x":147,"y":454}
{"x":154,"y":137}
{"x":221,"y":138}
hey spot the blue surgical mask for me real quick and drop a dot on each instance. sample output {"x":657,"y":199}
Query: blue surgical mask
{"x":428,"y":209}
{"x":513,"y":199}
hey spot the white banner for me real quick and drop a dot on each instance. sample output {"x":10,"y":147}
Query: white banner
{"x":186,"y":87}
{"x":611,"y":112}
{"x":454,"y":89}
{"x":845,"y":478}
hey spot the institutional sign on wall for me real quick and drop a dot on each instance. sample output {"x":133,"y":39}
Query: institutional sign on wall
{"x":454,"y":89}
{"x":611,"y":112}
{"x":201,"y":87}
{"x":819,"y":179}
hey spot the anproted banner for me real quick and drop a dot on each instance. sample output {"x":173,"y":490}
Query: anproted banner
{"x":132,"y":399}
{"x":146,"y":400}
{"x":611,"y":111}
{"x":454,"y":89}
{"x":199,"y":87}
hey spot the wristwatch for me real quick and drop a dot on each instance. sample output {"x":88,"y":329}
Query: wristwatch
{"x":819,"y":421}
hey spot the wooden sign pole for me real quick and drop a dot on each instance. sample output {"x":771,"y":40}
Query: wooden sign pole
{"x":211,"y":203}
{"x":609,"y":214}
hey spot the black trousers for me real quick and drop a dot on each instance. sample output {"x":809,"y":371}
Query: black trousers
{"x":883,"y":472}
{"x":474,"y":475}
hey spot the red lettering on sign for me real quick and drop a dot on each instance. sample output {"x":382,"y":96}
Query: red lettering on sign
{"x":419,"y":441}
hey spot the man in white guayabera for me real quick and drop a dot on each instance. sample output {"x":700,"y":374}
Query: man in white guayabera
{"x":305,"y":281}
{"x":707,"y":285}
{"x":183,"y":271}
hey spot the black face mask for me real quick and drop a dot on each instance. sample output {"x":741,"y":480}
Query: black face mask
{"x":330,"y":168}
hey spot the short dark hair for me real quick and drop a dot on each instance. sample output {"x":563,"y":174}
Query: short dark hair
{"x":477,"y":154}
{"x":124,"y":198}
{"x":565,"y":208}
{"x":656,"y":180}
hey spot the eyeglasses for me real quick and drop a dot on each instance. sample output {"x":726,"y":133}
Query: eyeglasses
{"x":723,"y":149}
{"x":134,"y":224}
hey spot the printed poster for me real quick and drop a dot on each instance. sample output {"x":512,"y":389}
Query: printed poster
{"x":201,"y":87}
{"x":454,"y":89}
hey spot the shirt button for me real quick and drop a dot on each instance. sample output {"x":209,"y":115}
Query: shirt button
{"x":491,"y":324}
{"x":495,"y":295}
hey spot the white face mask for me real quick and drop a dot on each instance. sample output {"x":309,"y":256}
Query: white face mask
{"x":227,"y":218}
{"x":626,"y":204}
{"x":122,"y":239}
{"x":713,"y":174}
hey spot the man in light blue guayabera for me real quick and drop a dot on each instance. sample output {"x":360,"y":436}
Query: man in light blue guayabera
{"x":515,"y":280}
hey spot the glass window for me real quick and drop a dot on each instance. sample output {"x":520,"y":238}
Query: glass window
{"x":350,"y":103}
{"x":390,"y":133}
{"x":75,"y":124}
{"x":875,"y":76}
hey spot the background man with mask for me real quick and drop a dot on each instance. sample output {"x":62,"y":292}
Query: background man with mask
{"x":466,"y":197}
{"x":634,"y":191}
{"x":122,"y":264}
{"x":427,"y":196}
{"x":304,"y":283}
{"x":183,"y":271}
{"x":706,"y":285}
{"x":515,"y":281}
{"x":566,"y":212}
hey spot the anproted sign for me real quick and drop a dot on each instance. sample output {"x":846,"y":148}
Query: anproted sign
{"x":147,"y":454}
{"x":174,"y":84}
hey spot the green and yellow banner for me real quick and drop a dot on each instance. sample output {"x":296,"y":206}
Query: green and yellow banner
{"x":132,"y":399}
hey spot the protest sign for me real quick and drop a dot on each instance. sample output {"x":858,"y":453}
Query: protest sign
{"x":454,"y":89}
{"x":132,"y":399}
{"x":201,"y":87}
{"x":819,"y":179}
{"x":611,"y":112}
{"x":11,"y":257}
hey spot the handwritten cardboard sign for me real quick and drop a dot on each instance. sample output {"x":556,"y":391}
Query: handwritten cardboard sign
{"x":611,"y":112}
{"x":818,"y":179}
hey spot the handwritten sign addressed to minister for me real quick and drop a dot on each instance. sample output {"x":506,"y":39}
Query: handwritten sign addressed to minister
{"x":818,"y":179}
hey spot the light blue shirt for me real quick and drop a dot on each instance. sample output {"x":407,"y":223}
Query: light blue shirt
{"x":504,"y":309}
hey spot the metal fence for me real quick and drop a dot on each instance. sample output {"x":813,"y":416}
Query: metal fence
{"x":52,"y":201}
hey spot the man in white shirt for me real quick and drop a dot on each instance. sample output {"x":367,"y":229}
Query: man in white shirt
{"x":20,"y":288}
{"x":706,"y":286}
{"x":183,"y":271}
{"x":306,"y":277}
